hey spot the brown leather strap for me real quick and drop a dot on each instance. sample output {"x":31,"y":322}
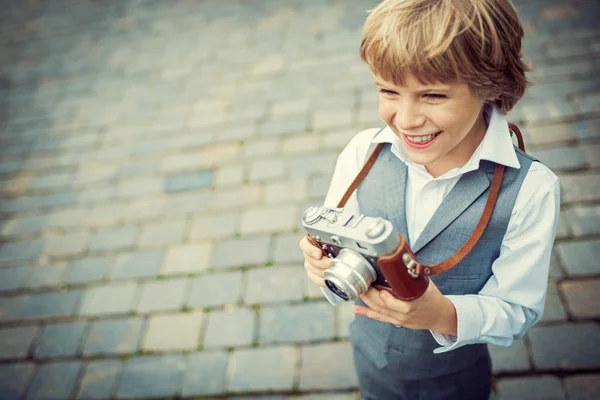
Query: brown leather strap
{"x":476,"y":235}
{"x":361,"y":175}
{"x":479,"y":228}
{"x":515,"y":129}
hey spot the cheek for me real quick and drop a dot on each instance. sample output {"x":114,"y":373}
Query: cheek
{"x":386,"y":110}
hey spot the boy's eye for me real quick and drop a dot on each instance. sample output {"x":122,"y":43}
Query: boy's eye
{"x":388,"y":92}
{"x":435,"y":96}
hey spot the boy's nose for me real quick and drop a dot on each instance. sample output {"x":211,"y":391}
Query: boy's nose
{"x":408,"y":117}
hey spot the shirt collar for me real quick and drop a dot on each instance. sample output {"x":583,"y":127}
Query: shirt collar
{"x":496,"y":146}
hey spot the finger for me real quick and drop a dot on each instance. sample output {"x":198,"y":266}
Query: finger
{"x":314,"y":270}
{"x":315,"y":278}
{"x":371,"y":304}
{"x":372,"y":296}
{"x":372,"y":314}
{"x":323,"y":263}
{"x":391,"y":303}
{"x":310,"y":249}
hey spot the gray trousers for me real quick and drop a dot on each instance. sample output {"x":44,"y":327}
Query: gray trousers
{"x":473,"y":383}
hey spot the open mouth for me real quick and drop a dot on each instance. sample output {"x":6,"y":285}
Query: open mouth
{"x":422,"y":140}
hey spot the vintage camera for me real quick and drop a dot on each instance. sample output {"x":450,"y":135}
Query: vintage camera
{"x":365,"y":251}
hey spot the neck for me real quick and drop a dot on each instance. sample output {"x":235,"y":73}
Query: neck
{"x":462,"y":152}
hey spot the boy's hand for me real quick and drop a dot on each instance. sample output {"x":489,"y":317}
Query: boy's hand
{"x":431,"y":311}
{"x":314,"y":262}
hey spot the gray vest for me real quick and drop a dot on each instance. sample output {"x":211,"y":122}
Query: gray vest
{"x":382,"y":194}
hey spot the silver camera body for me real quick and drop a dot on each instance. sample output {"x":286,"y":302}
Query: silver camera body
{"x":354,"y":242}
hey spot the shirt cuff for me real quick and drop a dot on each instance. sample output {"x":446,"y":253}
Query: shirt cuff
{"x":469,"y":320}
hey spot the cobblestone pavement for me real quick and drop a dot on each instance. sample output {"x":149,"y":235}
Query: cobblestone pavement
{"x":156,"y":157}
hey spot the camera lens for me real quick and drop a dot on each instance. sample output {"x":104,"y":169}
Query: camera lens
{"x":350,"y":275}
{"x":336,"y":290}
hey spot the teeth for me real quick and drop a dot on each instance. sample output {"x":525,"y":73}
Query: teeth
{"x":422,"y":139}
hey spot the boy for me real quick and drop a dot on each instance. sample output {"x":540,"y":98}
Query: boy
{"x":447,"y":71}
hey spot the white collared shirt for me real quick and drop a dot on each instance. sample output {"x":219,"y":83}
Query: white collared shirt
{"x":512,"y":300}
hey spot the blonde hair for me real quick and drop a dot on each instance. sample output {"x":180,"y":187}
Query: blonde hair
{"x":477,"y":42}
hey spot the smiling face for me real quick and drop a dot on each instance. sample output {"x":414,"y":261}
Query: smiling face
{"x":440,"y":125}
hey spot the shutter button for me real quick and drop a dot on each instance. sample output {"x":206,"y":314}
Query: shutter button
{"x":376,"y":229}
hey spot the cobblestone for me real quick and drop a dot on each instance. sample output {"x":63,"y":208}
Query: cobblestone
{"x":13,"y":278}
{"x":285,"y":192}
{"x":151,"y":376}
{"x":108,"y":299}
{"x":584,"y":387}
{"x":554,"y":309}
{"x":591,"y":153}
{"x":287,"y":250}
{"x":162,"y":295}
{"x":314,"y":164}
{"x":214,"y":226}
{"x":581,"y":187}
{"x":99,"y":380}
{"x":332,"y":119}
{"x":188,"y":181}
{"x":16,"y":342}
{"x":229,"y":175}
{"x":37,"y":306}
{"x":344,"y":316}
{"x":298,"y":144}
{"x":230,"y":328}
{"x":241,"y":252}
{"x":114,"y":336}
{"x":580,"y":258}
{"x":173,"y":332}
{"x":105,"y":216}
{"x":140,"y":186}
{"x":561,"y":158}
{"x":269,"y":219}
{"x":267,"y":170}
{"x":25,"y":225}
{"x":205,"y":374}
{"x":207,"y":291}
{"x":339,"y":373}
{"x":44,"y":276}
{"x":510,"y":359}
{"x":276,"y":372}
{"x":114,"y":239}
{"x":21,"y":251}
{"x":145,"y":210}
{"x":288,"y":125}
{"x":60,"y":340}
{"x":90,"y":269}
{"x":67,"y":245}
{"x":185,"y":203}
{"x":189,"y":258}
{"x":54,"y":380}
{"x":584,"y":220}
{"x":235,"y":198}
{"x":580,"y":297}
{"x":578,"y":349}
{"x":141,"y":264}
{"x":276,"y":284}
{"x":163,"y":233}
{"x":14,"y":379}
{"x":543,"y":387}
{"x":260,"y":148}
{"x":296,"y":323}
